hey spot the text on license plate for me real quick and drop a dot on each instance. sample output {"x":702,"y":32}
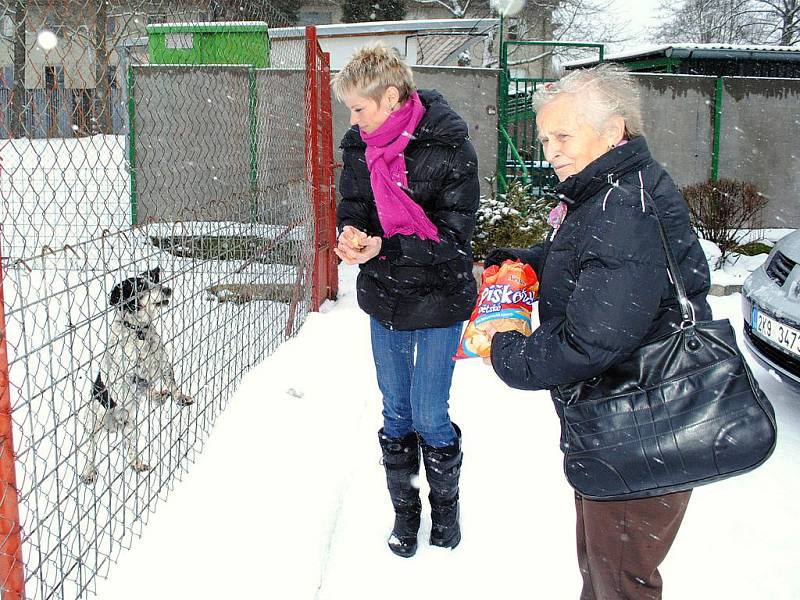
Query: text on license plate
{"x":783,"y":335}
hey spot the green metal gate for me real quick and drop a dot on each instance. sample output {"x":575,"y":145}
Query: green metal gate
{"x":519,"y":154}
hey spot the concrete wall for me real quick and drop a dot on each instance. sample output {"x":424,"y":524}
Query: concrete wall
{"x":192,"y":149}
{"x":207,"y":175}
{"x":678,"y":121}
{"x":759,"y":142}
{"x":760,"y":129}
{"x":192,"y":158}
{"x":471,"y":92}
{"x":281,"y":147}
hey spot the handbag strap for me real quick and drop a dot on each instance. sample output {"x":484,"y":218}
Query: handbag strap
{"x":672,"y":265}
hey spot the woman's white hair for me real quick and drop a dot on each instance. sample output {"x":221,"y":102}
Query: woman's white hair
{"x":604,"y":91}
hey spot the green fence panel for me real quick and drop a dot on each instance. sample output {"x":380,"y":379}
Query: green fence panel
{"x":519,"y":153}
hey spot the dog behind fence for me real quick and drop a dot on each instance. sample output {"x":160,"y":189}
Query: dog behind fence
{"x":110,"y":383}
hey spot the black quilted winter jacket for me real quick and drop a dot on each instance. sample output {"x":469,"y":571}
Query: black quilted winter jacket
{"x":414,"y":283}
{"x":603,"y":278}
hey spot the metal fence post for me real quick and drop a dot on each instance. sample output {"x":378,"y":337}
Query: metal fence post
{"x":312,"y":157}
{"x":719,"y":88}
{"x":329,"y":222}
{"x":252,"y":101}
{"x":502,"y":116}
{"x":12,"y":574}
{"x":132,"y":145}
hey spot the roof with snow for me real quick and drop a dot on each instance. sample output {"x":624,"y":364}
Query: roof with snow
{"x":476,"y":26}
{"x":707,"y":59}
{"x":205,"y":26}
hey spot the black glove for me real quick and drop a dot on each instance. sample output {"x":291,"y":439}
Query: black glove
{"x":498,"y":256}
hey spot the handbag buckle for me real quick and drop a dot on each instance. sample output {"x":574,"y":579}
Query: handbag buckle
{"x":691,"y":341}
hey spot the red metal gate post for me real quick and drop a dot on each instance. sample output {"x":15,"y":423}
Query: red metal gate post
{"x":332,"y":271}
{"x":12,"y":573}
{"x":312,"y":157}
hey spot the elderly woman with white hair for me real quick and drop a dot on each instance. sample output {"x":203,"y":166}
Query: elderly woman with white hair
{"x":604,"y":292}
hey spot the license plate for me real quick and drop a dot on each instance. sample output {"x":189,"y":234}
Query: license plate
{"x":775,"y":331}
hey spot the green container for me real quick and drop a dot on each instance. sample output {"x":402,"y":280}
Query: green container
{"x":229,"y":43}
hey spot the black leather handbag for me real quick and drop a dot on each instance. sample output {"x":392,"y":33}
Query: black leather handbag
{"x":680,"y":412}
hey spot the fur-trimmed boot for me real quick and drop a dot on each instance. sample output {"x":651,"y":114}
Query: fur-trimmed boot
{"x":401,"y":460}
{"x":443,"y":467}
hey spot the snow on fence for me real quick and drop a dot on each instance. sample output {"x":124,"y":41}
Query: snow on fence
{"x":109,"y":386}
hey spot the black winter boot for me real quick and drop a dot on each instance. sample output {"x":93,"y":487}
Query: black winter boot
{"x":443,"y":467}
{"x":401,"y":460}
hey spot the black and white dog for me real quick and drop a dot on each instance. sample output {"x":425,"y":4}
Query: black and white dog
{"x":134,"y":367}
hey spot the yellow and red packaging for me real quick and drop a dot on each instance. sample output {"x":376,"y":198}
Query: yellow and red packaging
{"x":505,"y":299}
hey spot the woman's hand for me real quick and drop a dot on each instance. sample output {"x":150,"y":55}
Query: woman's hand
{"x":352,"y":237}
{"x":489,"y":331}
{"x":355,"y":247}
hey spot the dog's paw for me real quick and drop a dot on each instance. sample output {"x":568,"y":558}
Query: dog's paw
{"x":89,"y":475}
{"x":139,"y":466}
{"x":182,"y":399}
{"x":159,"y":396}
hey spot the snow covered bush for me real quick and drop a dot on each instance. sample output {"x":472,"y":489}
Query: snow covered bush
{"x":724,"y":212}
{"x":514,"y":219}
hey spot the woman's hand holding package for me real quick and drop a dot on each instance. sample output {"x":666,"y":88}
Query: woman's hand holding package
{"x":505,"y":300}
{"x":355,"y":247}
{"x":489,"y":331}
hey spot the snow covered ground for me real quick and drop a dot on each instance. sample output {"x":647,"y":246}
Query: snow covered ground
{"x":288,"y":499}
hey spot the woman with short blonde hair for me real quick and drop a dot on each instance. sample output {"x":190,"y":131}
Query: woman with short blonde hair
{"x":370,"y":71}
{"x":409,"y":188}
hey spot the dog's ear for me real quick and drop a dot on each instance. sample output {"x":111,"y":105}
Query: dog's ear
{"x":116,"y":295}
{"x":125,"y":295}
{"x":153,"y":275}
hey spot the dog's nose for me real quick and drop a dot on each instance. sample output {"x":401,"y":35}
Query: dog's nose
{"x":166,"y":291}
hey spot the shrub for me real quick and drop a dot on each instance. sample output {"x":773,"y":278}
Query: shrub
{"x":516,"y":219}
{"x":723,"y":212}
{"x":753,"y":248}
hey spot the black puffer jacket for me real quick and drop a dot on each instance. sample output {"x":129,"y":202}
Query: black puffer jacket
{"x":603,"y":278}
{"x":414,"y":283}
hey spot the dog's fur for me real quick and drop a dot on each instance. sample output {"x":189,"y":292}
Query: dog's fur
{"x":134,"y":367}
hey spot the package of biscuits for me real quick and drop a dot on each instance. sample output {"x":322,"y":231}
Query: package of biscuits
{"x":505,"y":300}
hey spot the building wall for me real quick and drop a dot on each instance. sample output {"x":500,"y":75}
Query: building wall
{"x":471,"y":92}
{"x":72,"y":55}
{"x":759,"y":142}
{"x":678,"y":123}
{"x":284,"y":46}
{"x":319,"y":13}
{"x":74,"y":25}
{"x":193,"y":165}
{"x":190,"y":167}
{"x":760,"y":126}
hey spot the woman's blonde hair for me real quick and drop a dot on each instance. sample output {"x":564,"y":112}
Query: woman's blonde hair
{"x":604,"y":91}
{"x":371,"y":71}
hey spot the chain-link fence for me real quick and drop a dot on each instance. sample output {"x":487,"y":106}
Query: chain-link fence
{"x":156,"y":242}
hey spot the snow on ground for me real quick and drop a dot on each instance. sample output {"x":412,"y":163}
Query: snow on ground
{"x":288,"y":499}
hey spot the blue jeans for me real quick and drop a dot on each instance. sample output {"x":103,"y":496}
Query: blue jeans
{"x":416,"y":387}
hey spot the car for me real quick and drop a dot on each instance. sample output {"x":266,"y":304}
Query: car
{"x":771,"y":309}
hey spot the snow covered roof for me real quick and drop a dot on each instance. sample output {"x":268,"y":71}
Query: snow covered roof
{"x":207,"y":26}
{"x":701,"y":51}
{"x":390,"y":27}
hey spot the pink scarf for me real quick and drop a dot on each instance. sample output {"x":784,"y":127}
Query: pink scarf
{"x":398,"y":213}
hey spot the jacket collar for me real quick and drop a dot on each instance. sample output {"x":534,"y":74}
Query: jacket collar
{"x":611,"y":166}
